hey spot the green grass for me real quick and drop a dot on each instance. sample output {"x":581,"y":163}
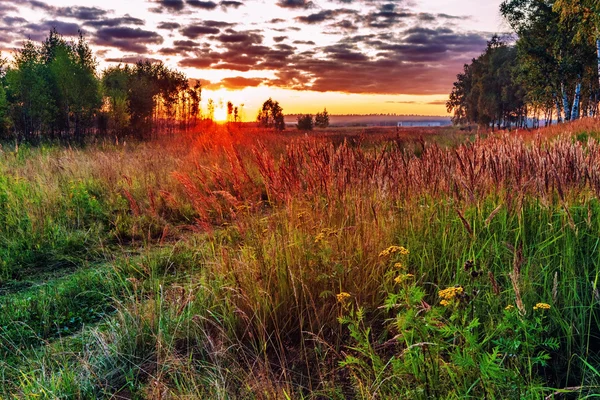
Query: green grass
{"x":113,"y":283}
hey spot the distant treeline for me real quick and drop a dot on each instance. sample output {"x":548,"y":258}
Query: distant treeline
{"x":550,"y":73}
{"x":54,"y":91}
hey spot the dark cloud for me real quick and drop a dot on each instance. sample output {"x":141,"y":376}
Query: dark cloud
{"x":233,"y":4}
{"x":134,"y":40}
{"x":308,"y":42}
{"x":279,"y":39}
{"x":132,"y":59}
{"x":82,"y":13}
{"x":170,"y":26}
{"x":112,"y":22}
{"x":324,"y":15}
{"x":12,"y":21}
{"x":194,"y":31}
{"x":239,"y":37}
{"x":295,"y":4}
{"x":205,"y":5}
{"x":345,"y":25}
{"x":168,"y":5}
{"x":412,"y":61}
{"x":39,"y":32}
{"x":218,"y":24}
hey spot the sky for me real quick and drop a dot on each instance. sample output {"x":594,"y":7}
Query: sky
{"x":349,"y":56}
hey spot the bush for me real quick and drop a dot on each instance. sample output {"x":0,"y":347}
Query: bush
{"x":305,"y":122}
{"x":322,"y":119}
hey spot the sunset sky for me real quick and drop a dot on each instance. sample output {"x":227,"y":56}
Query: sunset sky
{"x":350,"y":56}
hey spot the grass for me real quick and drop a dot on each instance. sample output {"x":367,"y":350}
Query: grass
{"x":247,"y":264}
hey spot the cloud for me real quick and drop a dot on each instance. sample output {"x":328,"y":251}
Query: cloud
{"x":194,"y":31}
{"x":82,"y":13}
{"x":170,"y":26}
{"x":205,"y":5}
{"x":168,"y":5}
{"x":134,"y":40}
{"x":132,"y":59}
{"x":232,"y":4}
{"x":119,"y":21}
{"x":295,"y":4}
{"x":39,"y":31}
{"x":237,"y":82}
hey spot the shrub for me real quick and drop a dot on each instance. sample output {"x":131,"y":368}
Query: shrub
{"x":305,"y":122}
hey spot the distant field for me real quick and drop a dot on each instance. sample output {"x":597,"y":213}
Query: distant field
{"x":345,"y":263}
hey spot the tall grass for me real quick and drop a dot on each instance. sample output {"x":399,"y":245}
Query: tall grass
{"x":253,"y":265}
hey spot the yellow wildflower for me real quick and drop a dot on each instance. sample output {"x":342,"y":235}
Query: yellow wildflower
{"x":342,"y":297}
{"x":509,"y":307}
{"x":451,"y":292}
{"x":320,"y":238}
{"x":394,"y":249}
{"x":399,"y":265}
{"x":401,"y":278}
{"x":542,"y":306}
{"x":445,"y":303}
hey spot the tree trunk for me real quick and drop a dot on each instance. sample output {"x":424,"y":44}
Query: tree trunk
{"x":558,"y":111}
{"x":598,"y":49}
{"x":566,"y":103}
{"x":576,"y":102}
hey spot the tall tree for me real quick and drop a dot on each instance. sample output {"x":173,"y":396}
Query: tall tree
{"x":271,"y":115}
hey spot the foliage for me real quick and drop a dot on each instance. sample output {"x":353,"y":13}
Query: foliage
{"x":53,"y":91}
{"x":551,"y":73}
{"x":305,"y":122}
{"x":322,"y":119}
{"x":271,"y":115}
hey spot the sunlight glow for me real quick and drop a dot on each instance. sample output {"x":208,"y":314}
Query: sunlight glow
{"x":220,"y":114}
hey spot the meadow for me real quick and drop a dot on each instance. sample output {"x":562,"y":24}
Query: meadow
{"x":237,"y":263}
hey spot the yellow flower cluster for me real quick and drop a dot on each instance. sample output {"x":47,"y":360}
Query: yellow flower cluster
{"x":451,"y":292}
{"x":401,"y":278}
{"x":542,"y":306}
{"x":445,"y":303}
{"x":320,"y":238}
{"x":509,"y":307}
{"x":342,"y":297}
{"x":394,"y":249}
{"x":399,"y":265}
{"x":326,"y":232}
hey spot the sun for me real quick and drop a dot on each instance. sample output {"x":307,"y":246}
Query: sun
{"x":220,"y":114}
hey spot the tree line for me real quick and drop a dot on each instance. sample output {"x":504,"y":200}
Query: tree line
{"x":550,"y":73}
{"x":54,"y":90}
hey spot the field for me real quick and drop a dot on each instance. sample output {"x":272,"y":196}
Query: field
{"x":341,"y":264}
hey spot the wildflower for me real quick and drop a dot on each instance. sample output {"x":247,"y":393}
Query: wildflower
{"x":394,"y":249}
{"x":320,"y":238}
{"x":399,"y":265}
{"x":542,"y":306}
{"x":401,"y":278}
{"x":509,"y":307}
{"x":451,"y":292}
{"x":445,"y":303}
{"x":342,"y":297}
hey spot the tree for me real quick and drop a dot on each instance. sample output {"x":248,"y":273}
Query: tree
{"x":305,"y":122}
{"x":230,"y":117}
{"x":587,"y":15}
{"x":271,"y":115}
{"x":322,"y":119}
{"x":487,"y":92}
{"x":555,"y":63}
